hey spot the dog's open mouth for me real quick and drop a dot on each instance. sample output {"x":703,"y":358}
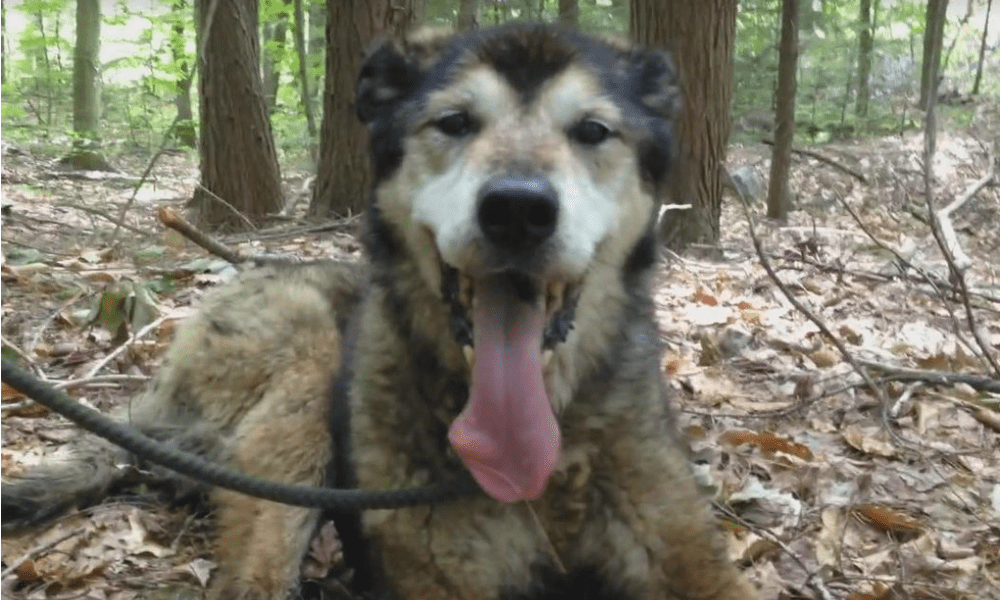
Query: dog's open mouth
{"x":508,"y":324}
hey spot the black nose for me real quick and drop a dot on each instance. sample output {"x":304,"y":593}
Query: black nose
{"x":518,"y":213}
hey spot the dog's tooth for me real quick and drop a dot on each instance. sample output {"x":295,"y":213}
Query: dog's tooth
{"x":546,"y":357}
{"x":470,"y":355}
{"x":555,"y":294}
{"x":465,"y":290}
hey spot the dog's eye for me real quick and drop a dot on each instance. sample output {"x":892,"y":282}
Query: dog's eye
{"x":456,"y":124}
{"x":589,"y":132}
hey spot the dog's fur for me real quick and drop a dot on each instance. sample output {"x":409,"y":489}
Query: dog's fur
{"x":568,"y":139}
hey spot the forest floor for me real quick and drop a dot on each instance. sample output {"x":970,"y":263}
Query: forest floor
{"x":824,"y":489}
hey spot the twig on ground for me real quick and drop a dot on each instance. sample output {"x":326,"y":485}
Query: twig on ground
{"x":37,"y":551}
{"x":813,"y":578}
{"x":171,"y":219}
{"x":928,"y":278}
{"x":20,"y":353}
{"x":805,"y":311}
{"x":38,"y":334}
{"x":897,"y":406}
{"x":149,"y":168}
{"x":982,"y":383}
{"x":100,"y":379}
{"x":273,"y":233}
{"x":957,"y":273}
{"x":107,"y":217}
{"x":133,"y":339}
{"x":826,"y":160}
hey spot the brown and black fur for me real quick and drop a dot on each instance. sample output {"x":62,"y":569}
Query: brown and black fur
{"x":621,"y":515}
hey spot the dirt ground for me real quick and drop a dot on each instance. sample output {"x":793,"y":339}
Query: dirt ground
{"x":824,"y":489}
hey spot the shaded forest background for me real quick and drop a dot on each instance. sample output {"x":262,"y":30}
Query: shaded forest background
{"x":861,"y":70}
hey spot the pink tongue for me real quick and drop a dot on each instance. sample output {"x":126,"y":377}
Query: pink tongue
{"x":507,"y":434}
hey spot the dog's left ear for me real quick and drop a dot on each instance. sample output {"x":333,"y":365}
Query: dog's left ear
{"x":393,"y":69}
{"x":656,"y":82}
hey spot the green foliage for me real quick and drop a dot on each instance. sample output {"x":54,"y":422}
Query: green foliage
{"x":34,"y":102}
{"x":153,"y":51}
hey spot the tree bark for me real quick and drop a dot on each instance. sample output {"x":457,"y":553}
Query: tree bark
{"x":569,"y":13}
{"x":307,"y":99}
{"x":87,"y":88}
{"x":933,"y":40}
{"x":343,"y":176}
{"x":468,"y":15}
{"x":700,"y":34}
{"x":272,"y":53}
{"x":240,"y":178}
{"x":982,"y":49}
{"x":865,"y":43}
{"x":778,"y":197}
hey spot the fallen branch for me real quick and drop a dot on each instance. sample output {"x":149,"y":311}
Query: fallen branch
{"x":826,"y":160}
{"x":171,"y":219}
{"x":947,"y":246}
{"x":981,"y":383}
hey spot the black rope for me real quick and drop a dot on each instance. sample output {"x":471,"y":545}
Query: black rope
{"x":214,"y":474}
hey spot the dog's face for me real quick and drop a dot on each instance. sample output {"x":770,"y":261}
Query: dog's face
{"x":511,"y":165}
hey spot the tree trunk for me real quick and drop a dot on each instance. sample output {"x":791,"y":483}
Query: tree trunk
{"x":933,"y":40}
{"x":86,"y":88}
{"x":468,"y":15}
{"x":982,"y":49}
{"x":342,"y":174}
{"x":240,"y":179}
{"x":307,"y":100}
{"x":700,"y":34}
{"x":273,"y":52}
{"x":316,"y":46}
{"x":184,"y":132}
{"x":569,"y":13}
{"x":865,"y":42}
{"x":778,"y":197}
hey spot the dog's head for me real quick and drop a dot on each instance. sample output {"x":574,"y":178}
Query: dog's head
{"x":512,"y":165}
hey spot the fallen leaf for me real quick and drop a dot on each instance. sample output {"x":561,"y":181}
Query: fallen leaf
{"x":889,"y":521}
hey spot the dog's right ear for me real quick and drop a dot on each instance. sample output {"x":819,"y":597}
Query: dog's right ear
{"x":393,"y":69}
{"x":386,"y":78}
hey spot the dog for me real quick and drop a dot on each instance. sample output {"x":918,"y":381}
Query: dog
{"x":502,"y":326}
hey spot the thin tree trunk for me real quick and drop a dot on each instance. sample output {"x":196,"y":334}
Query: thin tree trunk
{"x":185,"y":132}
{"x":778,"y":197}
{"x":865,"y":43}
{"x":569,"y":12}
{"x":86,"y":88}
{"x":240,"y":179}
{"x":468,"y":15}
{"x":316,"y":46}
{"x":307,"y":100}
{"x":343,"y":177}
{"x":982,"y":49}
{"x":700,"y":33}
{"x":273,"y":52}
{"x":933,"y":40}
